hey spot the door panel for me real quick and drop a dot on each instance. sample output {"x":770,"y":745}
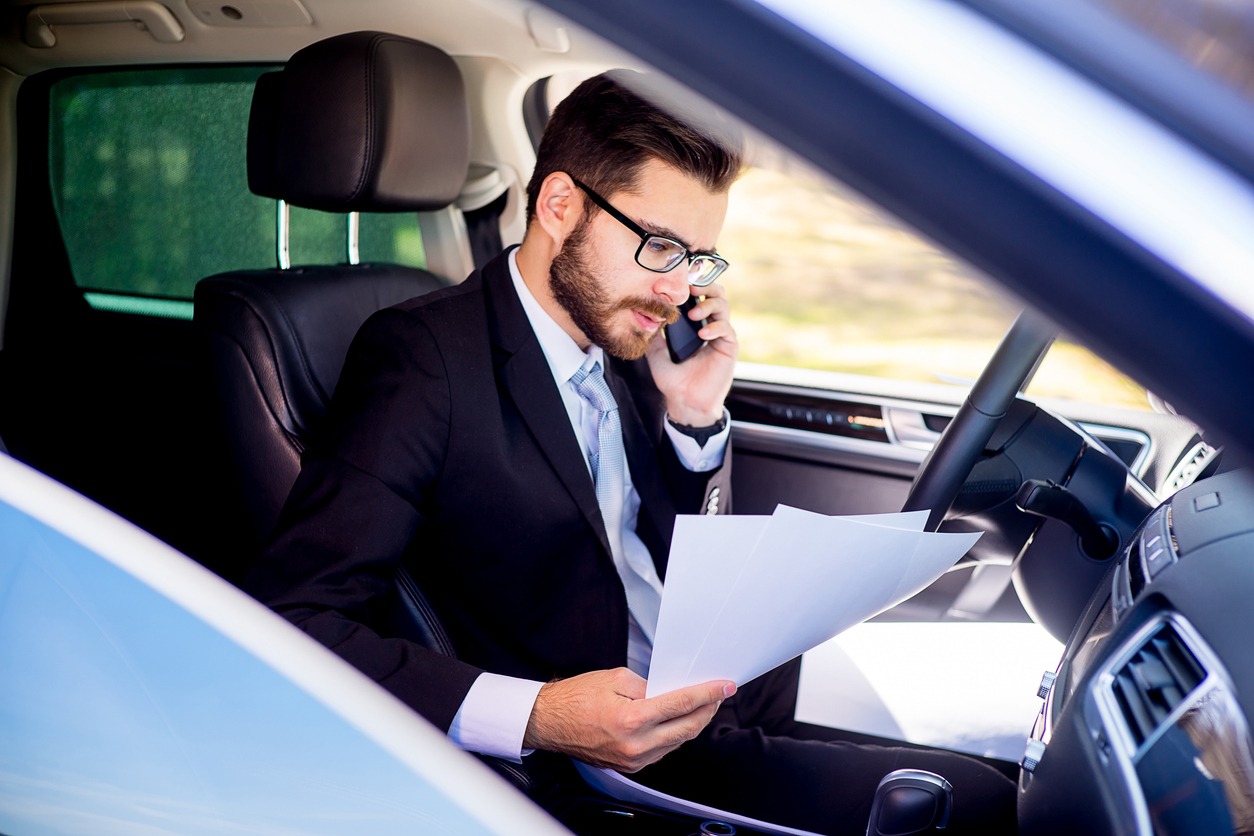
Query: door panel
{"x":821,"y":451}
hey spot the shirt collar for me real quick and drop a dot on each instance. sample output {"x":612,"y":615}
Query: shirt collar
{"x":563,"y":354}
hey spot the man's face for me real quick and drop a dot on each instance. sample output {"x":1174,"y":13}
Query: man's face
{"x":615,"y":302}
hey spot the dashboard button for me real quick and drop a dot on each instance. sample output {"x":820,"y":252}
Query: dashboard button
{"x":1206,"y":501}
{"x":1157,"y":554}
{"x":1103,"y":746}
{"x":1032,"y":755}
{"x":1157,"y":560}
{"x":1047,"y":682}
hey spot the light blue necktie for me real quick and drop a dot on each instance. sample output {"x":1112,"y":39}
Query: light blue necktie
{"x":641,"y":582}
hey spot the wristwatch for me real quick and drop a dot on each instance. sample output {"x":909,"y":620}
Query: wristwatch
{"x":701,"y":434}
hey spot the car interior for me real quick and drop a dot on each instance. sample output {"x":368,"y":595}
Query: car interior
{"x":204,"y":201}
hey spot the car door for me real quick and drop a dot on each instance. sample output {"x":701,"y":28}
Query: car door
{"x":859,"y":338}
{"x":144,"y":694}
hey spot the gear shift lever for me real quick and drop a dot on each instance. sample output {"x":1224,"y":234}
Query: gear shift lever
{"x":909,"y":802}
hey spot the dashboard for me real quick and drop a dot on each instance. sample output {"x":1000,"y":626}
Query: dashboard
{"x":1143,"y":729}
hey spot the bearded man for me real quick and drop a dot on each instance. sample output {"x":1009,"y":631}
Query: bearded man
{"x":522,"y":443}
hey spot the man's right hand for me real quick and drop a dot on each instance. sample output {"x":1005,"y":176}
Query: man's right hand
{"x":603,"y":718}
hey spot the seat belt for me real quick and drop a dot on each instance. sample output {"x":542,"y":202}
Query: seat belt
{"x":483,"y":200}
{"x":483,"y":228}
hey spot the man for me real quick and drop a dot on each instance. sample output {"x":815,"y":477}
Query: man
{"x":522,"y":443}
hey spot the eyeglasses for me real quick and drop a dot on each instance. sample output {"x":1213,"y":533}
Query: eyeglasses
{"x":661,"y":254}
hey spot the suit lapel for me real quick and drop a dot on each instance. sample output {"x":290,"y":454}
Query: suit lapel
{"x":525,"y":376}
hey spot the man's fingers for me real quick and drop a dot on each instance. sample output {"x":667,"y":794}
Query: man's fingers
{"x":718,"y":329}
{"x":711,"y":291}
{"x":603,"y":718}
{"x":669,"y":735}
{"x":649,"y":745}
{"x":684,"y":701}
{"x":714,"y":306}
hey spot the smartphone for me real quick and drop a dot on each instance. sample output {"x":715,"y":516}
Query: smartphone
{"x":681,"y":336}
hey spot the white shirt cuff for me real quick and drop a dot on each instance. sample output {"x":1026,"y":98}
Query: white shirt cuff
{"x":693,"y":456}
{"x":493,"y":717}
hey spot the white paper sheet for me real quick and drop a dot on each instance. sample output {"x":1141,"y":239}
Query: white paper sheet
{"x":745,"y":594}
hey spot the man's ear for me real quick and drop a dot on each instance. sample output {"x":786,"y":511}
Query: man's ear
{"x":558,"y":207}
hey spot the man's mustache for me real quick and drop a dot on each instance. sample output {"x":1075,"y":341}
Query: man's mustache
{"x":661,"y":310}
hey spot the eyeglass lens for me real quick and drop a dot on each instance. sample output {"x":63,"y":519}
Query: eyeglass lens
{"x":662,"y":255}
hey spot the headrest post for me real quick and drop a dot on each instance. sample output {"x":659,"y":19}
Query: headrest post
{"x":283,"y":222}
{"x":446,"y":242}
{"x":354,"y":239}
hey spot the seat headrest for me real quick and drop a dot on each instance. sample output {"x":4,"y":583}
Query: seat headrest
{"x":366,"y":122}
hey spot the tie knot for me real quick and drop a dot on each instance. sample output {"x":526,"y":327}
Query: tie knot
{"x":591,"y":386}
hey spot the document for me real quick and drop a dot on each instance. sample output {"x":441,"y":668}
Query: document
{"x":744,"y":594}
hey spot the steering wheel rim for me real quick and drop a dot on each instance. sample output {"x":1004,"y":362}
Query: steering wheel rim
{"x":941,"y":475}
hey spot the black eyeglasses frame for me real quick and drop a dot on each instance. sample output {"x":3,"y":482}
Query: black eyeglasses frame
{"x":720,"y":263}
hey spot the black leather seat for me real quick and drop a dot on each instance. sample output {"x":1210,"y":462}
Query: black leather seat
{"x":365,"y":122}
{"x":361,"y":122}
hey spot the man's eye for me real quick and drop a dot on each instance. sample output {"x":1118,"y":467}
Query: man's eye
{"x":658,"y":245}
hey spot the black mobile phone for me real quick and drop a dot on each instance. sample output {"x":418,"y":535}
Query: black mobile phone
{"x":681,"y":336}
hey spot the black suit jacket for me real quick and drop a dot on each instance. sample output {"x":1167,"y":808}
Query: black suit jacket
{"x":448,"y":447}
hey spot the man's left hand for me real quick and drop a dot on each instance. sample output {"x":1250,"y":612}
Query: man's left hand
{"x":696,"y":388}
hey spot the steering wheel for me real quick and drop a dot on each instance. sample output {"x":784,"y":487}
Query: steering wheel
{"x":947,"y":466}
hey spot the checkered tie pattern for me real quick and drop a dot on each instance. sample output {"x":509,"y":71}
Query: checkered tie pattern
{"x":640,"y":580}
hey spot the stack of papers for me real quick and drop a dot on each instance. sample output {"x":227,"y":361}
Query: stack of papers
{"x":745,"y":594}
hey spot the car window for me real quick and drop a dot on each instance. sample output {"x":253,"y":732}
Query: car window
{"x":821,"y":279}
{"x":150,"y":184}
{"x":142,"y":695}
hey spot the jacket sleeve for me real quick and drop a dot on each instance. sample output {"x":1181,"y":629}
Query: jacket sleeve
{"x":356,"y":508}
{"x":690,"y":492}
{"x":707,"y":492}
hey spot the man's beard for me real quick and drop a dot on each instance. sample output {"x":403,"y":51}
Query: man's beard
{"x":576,"y":290}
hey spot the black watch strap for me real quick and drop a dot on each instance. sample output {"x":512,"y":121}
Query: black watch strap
{"x":701,"y":434}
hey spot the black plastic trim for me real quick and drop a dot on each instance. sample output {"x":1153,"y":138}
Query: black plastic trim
{"x":813,"y":413}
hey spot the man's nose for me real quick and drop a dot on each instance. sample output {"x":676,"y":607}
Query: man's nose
{"x":673,"y":285}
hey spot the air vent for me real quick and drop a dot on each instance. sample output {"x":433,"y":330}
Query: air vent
{"x":1158,"y":677}
{"x":1189,"y":467}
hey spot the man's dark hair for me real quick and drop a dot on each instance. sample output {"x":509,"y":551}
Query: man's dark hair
{"x":609,"y":127}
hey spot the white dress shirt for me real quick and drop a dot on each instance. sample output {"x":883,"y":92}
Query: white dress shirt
{"x":493,"y":717}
